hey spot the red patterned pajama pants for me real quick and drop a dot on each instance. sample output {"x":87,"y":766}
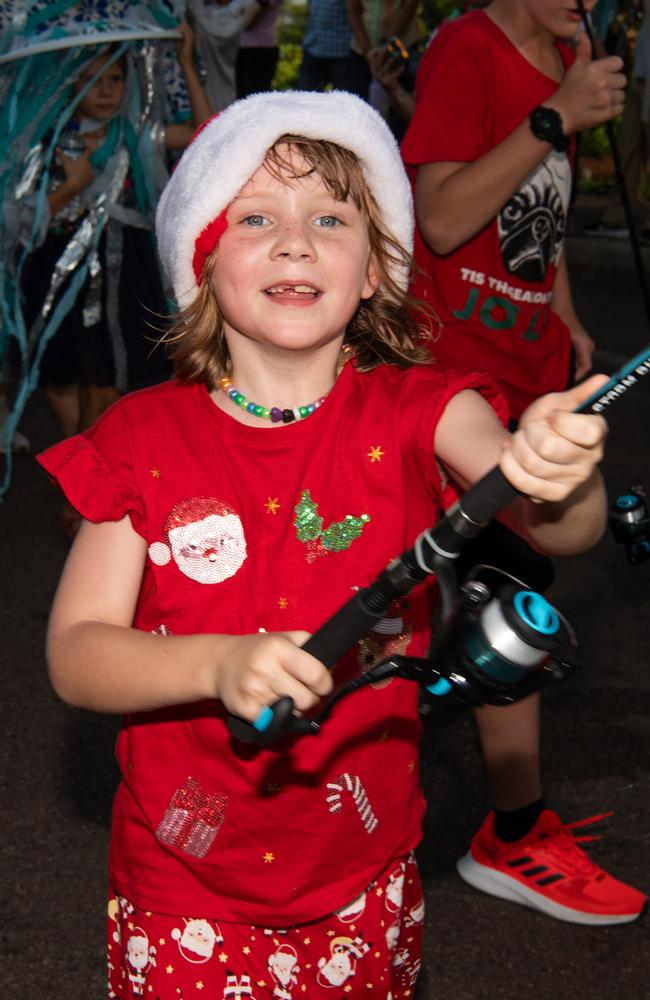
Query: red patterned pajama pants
{"x":373,"y":944}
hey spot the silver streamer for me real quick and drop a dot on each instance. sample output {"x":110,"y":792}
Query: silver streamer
{"x":86,"y":235}
{"x":92,"y":310}
{"x":31,"y":173}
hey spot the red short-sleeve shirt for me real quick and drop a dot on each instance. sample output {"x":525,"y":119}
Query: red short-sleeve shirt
{"x":493,"y":293}
{"x":253,"y":528}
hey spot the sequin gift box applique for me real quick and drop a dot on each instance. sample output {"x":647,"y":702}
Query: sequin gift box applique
{"x":193,"y":819}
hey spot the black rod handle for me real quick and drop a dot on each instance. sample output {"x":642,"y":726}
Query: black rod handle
{"x":488,"y":496}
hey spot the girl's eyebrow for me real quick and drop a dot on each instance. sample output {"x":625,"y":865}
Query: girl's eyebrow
{"x":324,"y":194}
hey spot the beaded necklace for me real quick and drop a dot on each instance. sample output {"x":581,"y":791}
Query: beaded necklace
{"x":273,"y":413}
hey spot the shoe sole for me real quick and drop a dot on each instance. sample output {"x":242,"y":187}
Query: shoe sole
{"x":504,"y":887}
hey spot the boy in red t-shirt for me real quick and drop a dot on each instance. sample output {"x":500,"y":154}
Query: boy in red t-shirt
{"x":499,"y":96}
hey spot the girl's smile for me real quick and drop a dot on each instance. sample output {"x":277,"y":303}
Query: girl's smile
{"x":293,"y":293}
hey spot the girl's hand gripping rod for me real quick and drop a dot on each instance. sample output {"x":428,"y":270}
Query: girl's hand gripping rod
{"x":432,"y":553}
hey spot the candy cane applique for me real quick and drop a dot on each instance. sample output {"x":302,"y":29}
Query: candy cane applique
{"x":351,"y":783}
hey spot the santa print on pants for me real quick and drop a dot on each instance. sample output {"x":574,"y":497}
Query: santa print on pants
{"x":371,"y":944}
{"x":139,"y":957}
{"x":342,"y":963}
{"x":283,"y":966}
{"x":197,"y":940}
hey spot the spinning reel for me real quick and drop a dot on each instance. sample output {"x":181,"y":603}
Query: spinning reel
{"x":495,"y":646}
{"x":629,"y":519}
{"x":502,"y":643}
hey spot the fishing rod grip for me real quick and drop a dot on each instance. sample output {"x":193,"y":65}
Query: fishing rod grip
{"x":488,"y":496}
{"x":350,"y":623}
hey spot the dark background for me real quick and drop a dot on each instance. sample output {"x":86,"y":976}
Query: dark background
{"x":59,"y":774}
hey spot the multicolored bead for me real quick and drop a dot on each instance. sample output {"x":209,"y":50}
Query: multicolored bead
{"x":273,"y":413}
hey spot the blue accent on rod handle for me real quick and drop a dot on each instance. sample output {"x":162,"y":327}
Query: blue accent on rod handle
{"x":440,"y":687}
{"x":263,"y":720}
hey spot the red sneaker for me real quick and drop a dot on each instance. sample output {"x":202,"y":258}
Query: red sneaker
{"x":547,"y":871}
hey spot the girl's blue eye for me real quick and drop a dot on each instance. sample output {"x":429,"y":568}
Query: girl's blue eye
{"x":255,"y":221}
{"x":328,"y":221}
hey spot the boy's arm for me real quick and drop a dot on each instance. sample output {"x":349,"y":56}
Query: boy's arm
{"x":454,"y":201}
{"x":98,"y":661}
{"x":552,"y":458}
{"x":562,"y":304}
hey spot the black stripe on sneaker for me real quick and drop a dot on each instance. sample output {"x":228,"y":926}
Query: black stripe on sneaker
{"x":518,"y":862}
{"x":549,"y":879}
{"x":535,"y":871}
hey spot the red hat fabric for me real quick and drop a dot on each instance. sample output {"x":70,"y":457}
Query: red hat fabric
{"x":206,"y":241}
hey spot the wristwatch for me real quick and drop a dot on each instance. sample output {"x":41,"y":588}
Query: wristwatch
{"x":546,"y":124}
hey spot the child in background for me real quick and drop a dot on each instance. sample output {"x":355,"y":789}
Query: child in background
{"x":219,"y":532}
{"x":101,"y":346}
{"x":499,"y":95}
{"x":258,"y":52}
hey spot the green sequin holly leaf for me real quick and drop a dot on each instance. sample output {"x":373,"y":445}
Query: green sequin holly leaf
{"x":339,"y":536}
{"x":336,"y":538}
{"x":308,"y":524}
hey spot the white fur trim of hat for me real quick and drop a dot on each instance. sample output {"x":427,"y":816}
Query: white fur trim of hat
{"x":231,"y":147}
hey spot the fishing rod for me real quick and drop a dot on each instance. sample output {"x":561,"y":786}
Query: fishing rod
{"x":489,"y":649}
{"x":621,"y":182}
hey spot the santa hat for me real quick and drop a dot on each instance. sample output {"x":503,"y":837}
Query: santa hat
{"x":228,"y":150}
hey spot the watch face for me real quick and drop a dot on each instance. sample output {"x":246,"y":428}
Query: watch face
{"x":546,"y":124}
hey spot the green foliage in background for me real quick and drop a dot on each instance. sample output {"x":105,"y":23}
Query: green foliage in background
{"x":290,"y":31}
{"x":594,"y":142}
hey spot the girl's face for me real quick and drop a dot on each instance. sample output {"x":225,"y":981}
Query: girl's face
{"x":105,"y":96}
{"x":293,"y":264}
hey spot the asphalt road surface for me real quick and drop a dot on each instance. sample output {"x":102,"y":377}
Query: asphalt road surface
{"x":59,"y":774}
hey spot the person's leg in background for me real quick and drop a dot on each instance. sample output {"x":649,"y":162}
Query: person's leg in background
{"x":255,"y":68}
{"x":523,"y":851}
{"x":357,"y":75}
{"x":313,"y":73}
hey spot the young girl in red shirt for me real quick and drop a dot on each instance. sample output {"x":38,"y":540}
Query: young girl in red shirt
{"x":305,"y":441}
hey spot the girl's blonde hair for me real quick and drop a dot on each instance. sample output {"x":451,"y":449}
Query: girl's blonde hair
{"x":382,"y":330}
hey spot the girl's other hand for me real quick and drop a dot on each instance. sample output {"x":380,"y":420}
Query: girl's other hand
{"x":185,"y":45}
{"x":255,"y":670}
{"x":78,"y":171}
{"x":555,"y":450}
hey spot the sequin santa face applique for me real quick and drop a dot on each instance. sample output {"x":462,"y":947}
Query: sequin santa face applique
{"x":205,"y":538}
